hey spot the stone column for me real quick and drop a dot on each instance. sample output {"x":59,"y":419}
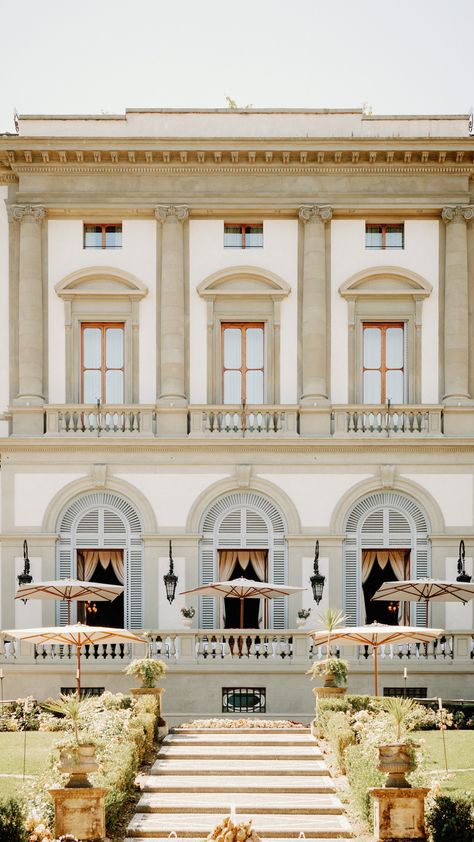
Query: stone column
{"x":172,"y":319}
{"x":30,"y":293}
{"x":314,"y":339}
{"x":456,"y":314}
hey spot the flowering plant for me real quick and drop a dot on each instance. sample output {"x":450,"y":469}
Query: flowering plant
{"x":147,"y":669}
{"x":188,"y":612}
{"x":304,"y":613}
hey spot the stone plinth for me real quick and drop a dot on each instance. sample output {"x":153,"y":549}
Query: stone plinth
{"x":328,"y":692}
{"x":157,"y":693}
{"x":399,"y":814}
{"x":80,"y":812}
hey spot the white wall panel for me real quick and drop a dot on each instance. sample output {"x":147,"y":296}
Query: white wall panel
{"x":137,"y":256}
{"x":171,"y":495}
{"x":169,"y":616}
{"x":349,"y":256}
{"x":315,"y":495}
{"x":34,"y":492}
{"x":452,"y":492}
{"x":208,"y":255}
{"x":458,"y":616}
{"x":29,"y":616}
{"x":4,"y":308}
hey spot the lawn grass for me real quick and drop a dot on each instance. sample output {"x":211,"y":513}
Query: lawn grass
{"x":460,"y":755}
{"x":38,"y":746}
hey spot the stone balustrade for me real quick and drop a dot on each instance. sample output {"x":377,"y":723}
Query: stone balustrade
{"x":243,"y":420}
{"x":260,"y":646}
{"x":91,"y":420}
{"x":366,"y":420}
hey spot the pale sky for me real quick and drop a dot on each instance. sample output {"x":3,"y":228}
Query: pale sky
{"x":93,"y":56}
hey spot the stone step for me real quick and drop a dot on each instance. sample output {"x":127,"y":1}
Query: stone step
{"x":231,"y":783}
{"x":233,"y":752}
{"x":255,"y":739}
{"x":289,"y":836}
{"x":237,"y":767}
{"x":159,"y":825}
{"x":259,"y":731}
{"x":251,"y":803}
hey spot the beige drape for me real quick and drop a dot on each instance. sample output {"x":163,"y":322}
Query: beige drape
{"x":382,"y":557}
{"x":228,"y":560}
{"x":87,"y":561}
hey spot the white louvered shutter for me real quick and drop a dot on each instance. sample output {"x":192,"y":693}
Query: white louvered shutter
{"x":351,"y":586}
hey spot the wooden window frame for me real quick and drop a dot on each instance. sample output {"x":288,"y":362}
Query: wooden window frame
{"x":243,"y":327}
{"x":243,"y":227}
{"x":383,"y":326}
{"x":385,"y":226}
{"x":103,"y":326}
{"x":103,"y":226}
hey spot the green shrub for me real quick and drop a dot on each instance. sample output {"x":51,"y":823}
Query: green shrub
{"x":451,"y":818}
{"x":12,"y":821}
{"x":350,"y":704}
{"x":362,"y":773}
{"x":340,"y":735}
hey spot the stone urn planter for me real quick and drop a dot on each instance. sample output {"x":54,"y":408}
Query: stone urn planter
{"x":78,"y":761}
{"x":396,"y":760}
{"x":187,"y":622}
{"x":157,"y":692}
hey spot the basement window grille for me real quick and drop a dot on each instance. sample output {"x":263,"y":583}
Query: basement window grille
{"x":244,"y":699}
{"x":409,"y":692}
{"x":85,"y":691}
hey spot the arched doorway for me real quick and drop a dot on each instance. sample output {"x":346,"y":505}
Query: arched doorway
{"x":100,"y":538}
{"x":386,"y":538}
{"x":243,"y":534}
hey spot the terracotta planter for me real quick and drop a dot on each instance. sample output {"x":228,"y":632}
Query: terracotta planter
{"x":395,"y":760}
{"x":78,"y":761}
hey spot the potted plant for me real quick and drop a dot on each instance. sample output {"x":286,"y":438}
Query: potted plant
{"x":397,"y":758}
{"x":333,"y":670}
{"x":302,"y":616}
{"x":188,"y":614}
{"x":77,"y":757}
{"x":148,"y":670}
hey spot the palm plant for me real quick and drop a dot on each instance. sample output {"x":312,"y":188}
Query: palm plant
{"x":330,"y":620}
{"x":71,"y":708}
{"x":400,"y":709}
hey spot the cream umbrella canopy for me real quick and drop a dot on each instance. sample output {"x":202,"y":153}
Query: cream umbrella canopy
{"x":375,"y":635}
{"x":70,"y":590}
{"x":77,"y":635}
{"x":425,"y":590}
{"x":245,"y":589}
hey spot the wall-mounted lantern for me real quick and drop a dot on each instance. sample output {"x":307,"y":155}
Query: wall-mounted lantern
{"x":25,"y":578}
{"x":317,"y":581}
{"x":171,"y":580}
{"x":462,"y":575}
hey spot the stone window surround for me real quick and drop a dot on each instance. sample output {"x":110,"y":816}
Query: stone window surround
{"x":243,"y":294}
{"x":101,"y":294}
{"x":388,"y":294}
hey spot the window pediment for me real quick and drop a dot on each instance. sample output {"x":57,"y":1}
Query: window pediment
{"x":385,"y":282}
{"x":100,"y":282}
{"x":243,"y":282}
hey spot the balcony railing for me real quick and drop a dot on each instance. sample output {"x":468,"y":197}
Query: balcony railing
{"x":241,"y":647}
{"x":243,"y":420}
{"x":92,"y":420}
{"x":365,"y":420}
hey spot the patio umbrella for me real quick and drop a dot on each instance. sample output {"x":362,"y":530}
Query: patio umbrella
{"x":71,"y":590}
{"x":377,"y":634}
{"x":77,"y":635}
{"x":425,"y":590}
{"x":245,"y":589}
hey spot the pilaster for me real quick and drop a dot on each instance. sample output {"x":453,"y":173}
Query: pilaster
{"x":456,"y":313}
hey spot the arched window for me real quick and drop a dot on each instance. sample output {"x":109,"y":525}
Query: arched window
{"x":243,"y":521}
{"x":102,"y":531}
{"x":395,"y":525}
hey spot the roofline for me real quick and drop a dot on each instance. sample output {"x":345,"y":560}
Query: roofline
{"x":246,"y":111}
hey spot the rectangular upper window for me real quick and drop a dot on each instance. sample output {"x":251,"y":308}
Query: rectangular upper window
{"x":243,"y":236}
{"x":103,"y":236}
{"x":102,"y":363}
{"x":384,"y":368}
{"x":384,"y":236}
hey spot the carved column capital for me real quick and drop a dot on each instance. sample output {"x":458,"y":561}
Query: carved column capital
{"x":309,"y":213}
{"x":163,"y":212}
{"x":29,"y":213}
{"x":457,"y":214}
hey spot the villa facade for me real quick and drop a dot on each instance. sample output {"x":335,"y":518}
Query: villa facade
{"x":241,"y":331}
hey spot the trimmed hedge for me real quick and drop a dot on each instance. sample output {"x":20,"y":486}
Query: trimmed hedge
{"x":340,"y":735}
{"x":361,"y":775}
{"x":12,"y":821}
{"x":451,"y":818}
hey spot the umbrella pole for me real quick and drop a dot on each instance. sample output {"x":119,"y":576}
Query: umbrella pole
{"x":241,"y":612}
{"x":78,"y":673}
{"x":69,"y":612}
{"x":376,"y":669}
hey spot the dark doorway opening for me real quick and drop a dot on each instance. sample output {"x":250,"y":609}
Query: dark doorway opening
{"x":380,"y":612}
{"x":251,"y":606}
{"x":109,"y":614}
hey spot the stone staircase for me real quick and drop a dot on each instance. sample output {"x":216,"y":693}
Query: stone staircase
{"x":276,"y":777}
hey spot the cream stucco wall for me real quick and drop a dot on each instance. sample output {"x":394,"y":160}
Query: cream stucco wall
{"x":34,"y":492}
{"x":453,"y":494}
{"x":171,"y":495}
{"x":29,"y":616}
{"x":349,"y":256}
{"x":4,"y":308}
{"x":208,"y":255}
{"x":458,"y":616}
{"x":137,"y":256}
{"x":315,"y":495}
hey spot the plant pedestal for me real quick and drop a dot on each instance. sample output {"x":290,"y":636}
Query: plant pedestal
{"x":187,"y":622}
{"x":79,"y":812}
{"x":157,"y":693}
{"x":399,"y":814}
{"x":324,"y":693}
